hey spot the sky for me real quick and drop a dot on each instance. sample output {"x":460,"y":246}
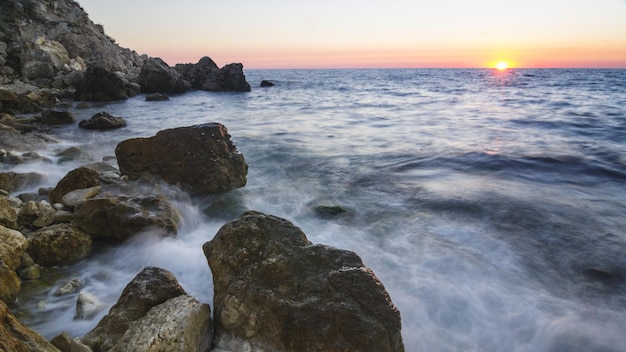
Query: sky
{"x":371,"y":33}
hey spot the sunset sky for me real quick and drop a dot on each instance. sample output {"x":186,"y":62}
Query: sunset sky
{"x":371,"y":33}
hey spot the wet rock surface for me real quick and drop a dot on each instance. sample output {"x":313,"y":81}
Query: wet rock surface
{"x":276,"y":291}
{"x":199,"y":159}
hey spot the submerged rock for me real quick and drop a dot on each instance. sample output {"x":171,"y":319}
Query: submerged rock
{"x":87,"y":306}
{"x":14,"y":181}
{"x":72,"y":286}
{"x":199,"y":159}
{"x":276,"y":291}
{"x":157,"y":97}
{"x":265,"y":83}
{"x":56,"y":117}
{"x":150,"y":288}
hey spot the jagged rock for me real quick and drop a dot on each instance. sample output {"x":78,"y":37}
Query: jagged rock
{"x":87,"y":306}
{"x":276,"y":291}
{"x":157,"y":97}
{"x":123,"y":217}
{"x":150,"y":288}
{"x":205,"y":75}
{"x":199,"y":159}
{"x":101,"y":84}
{"x":8,"y":214}
{"x":70,"y":287}
{"x":61,"y":244}
{"x":13,"y":181}
{"x":12,"y":245}
{"x":157,"y":77}
{"x":79,"y":178}
{"x":36,"y":214}
{"x":180,"y":324}
{"x":66,"y":343}
{"x":42,"y":58}
{"x":103,"y":121}
{"x":15,"y":336}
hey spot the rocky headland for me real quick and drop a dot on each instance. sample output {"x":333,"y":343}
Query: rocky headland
{"x":274,"y":290}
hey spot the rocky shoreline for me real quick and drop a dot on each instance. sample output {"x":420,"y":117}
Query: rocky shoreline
{"x":273,"y":289}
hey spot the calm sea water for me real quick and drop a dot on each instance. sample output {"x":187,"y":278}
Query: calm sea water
{"x":492,"y":205}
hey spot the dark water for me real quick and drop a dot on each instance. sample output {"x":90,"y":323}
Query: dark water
{"x":492,"y":205}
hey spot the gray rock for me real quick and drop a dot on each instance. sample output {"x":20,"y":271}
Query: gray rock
{"x":180,"y":324}
{"x":276,"y":291}
{"x":69,"y":287}
{"x":87,"y":306}
{"x":61,"y":244}
{"x":199,"y":159}
{"x":150,"y":288}
{"x":36,"y":214}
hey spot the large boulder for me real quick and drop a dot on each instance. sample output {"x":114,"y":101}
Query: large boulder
{"x":61,"y":244}
{"x":79,"y":178}
{"x":206,"y":75}
{"x":150,"y":288}
{"x":157,"y":77}
{"x":8,"y":214}
{"x":199,"y":159}
{"x":101,"y":84}
{"x":276,"y":291}
{"x":10,"y":284}
{"x":56,"y":117}
{"x":122,"y":217}
{"x":180,"y":324}
{"x":15,"y":336}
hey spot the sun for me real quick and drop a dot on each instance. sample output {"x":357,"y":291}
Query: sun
{"x":502,"y":65}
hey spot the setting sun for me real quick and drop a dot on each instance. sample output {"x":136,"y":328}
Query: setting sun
{"x":502,"y":65}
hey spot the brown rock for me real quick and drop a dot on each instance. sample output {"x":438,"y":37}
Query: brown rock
{"x":60,"y":244}
{"x":9,"y":284}
{"x":199,"y":159}
{"x":15,"y":336}
{"x":12,"y":181}
{"x":123,"y":217}
{"x":79,"y":178}
{"x":8,"y":215}
{"x":275,"y":291}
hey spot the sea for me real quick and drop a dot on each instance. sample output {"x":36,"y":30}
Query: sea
{"x":490,"y":204}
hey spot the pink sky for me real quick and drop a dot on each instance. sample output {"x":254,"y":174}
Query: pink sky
{"x":371,"y":33}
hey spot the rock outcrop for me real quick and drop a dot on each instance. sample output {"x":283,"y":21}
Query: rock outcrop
{"x":206,"y":75}
{"x":150,"y":288}
{"x":15,"y":336}
{"x":100,"y":84}
{"x":199,"y":159}
{"x":157,"y":77}
{"x":276,"y":291}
